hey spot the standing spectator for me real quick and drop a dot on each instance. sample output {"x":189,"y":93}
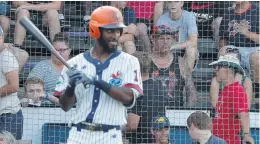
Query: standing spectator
{"x":160,"y":129}
{"x":232,"y":108}
{"x":34,"y":93}
{"x":199,"y":126}
{"x":144,"y":11}
{"x":11,"y":117}
{"x":240,"y":27}
{"x":49,"y":70}
{"x":170,"y":68}
{"x":4,"y":20}
{"x":153,"y":103}
{"x":245,"y":81}
{"x":184,"y":24}
{"x":127,"y":38}
{"x":50,"y":17}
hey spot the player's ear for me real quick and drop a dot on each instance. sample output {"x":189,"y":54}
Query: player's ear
{"x":151,"y":131}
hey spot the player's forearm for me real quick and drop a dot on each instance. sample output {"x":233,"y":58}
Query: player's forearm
{"x":253,"y":36}
{"x":67,"y":99}
{"x":245,"y":122}
{"x":8,"y":89}
{"x":124,"y":95}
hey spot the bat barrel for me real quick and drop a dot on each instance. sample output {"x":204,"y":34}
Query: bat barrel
{"x":28,"y":25}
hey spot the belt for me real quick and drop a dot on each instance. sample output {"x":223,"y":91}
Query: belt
{"x":95,"y":127}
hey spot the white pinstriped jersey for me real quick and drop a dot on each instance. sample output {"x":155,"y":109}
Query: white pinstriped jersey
{"x":93,"y":105}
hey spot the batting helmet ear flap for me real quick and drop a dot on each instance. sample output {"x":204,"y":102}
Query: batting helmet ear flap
{"x":94,"y":31}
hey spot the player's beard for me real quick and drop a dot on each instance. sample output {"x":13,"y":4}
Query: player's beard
{"x":105,"y":45}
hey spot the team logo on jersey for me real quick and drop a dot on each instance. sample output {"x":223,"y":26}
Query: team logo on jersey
{"x":116,"y":79}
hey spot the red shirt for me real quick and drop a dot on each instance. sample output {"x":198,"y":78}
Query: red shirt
{"x":232,"y":100}
{"x":143,"y":9}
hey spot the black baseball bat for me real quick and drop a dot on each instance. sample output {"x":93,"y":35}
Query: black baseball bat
{"x":28,"y":25}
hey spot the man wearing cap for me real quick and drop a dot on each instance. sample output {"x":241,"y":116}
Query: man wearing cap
{"x":152,"y":104}
{"x":232,"y":108}
{"x":160,"y":129}
{"x":198,"y":124}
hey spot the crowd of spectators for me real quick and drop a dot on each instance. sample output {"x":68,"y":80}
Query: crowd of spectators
{"x":165,"y":43}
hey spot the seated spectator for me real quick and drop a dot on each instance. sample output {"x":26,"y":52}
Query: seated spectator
{"x":206,"y":12}
{"x":50,"y":17}
{"x":21,"y":55}
{"x":6,"y":138}
{"x":232,"y":113}
{"x":11,"y":117}
{"x":199,"y":126}
{"x":127,"y":38}
{"x":49,"y":70}
{"x":144,"y":11}
{"x":151,"y":104}
{"x":4,"y":20}
{"x":34,"y":93}
{"x":240,"y":27}
{"x":242,"y":79}
{"x":184,"y":24}
{"x":171,"y":69}
{"x":160,"y":129}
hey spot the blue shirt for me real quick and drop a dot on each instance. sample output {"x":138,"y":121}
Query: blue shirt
{"x":215,"y":140}
{"x":129,"y":16}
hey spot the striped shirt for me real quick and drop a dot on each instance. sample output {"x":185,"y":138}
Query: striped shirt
{"x":47,"y":73}
{"x":93,"y":105}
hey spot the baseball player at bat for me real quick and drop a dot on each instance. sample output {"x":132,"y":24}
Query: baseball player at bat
{"x":113,"y":82}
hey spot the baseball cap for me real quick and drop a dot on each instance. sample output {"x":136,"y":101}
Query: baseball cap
{"x":163,"y":30}
{"x":230,"y":61}
{"x":159,"y":122}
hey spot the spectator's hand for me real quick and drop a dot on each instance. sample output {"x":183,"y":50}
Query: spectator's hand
{"x":38,"y":98}
{"x":244,"y":27}
{"x":24,"y":102}
{"x":248,"y":138}
{"x":77,"y":77}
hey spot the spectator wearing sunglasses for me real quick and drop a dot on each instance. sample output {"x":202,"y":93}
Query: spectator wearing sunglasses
{"x":242,"y":79}
{"x":240,"y":27}
{"x":49,"y":70}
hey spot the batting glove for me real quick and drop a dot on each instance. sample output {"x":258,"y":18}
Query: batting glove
{"x":77,"y":77}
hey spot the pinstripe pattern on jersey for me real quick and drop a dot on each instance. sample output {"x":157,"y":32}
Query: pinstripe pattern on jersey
{"x":107,"y":110}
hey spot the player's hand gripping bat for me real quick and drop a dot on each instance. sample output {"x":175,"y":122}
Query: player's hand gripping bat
{"x":28,"y":25}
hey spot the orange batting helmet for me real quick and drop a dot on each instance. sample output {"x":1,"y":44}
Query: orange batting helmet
{"x":105,"y":17}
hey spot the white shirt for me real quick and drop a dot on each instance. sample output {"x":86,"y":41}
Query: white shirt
{"x":120,"y":69}
{"x":8,"y":63}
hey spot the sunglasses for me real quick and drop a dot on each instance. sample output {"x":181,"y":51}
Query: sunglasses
{"x":232,"y":50}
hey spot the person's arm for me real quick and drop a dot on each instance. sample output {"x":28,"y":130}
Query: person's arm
{"x":12,"y":85}
{"x":192,"y":34}
{"x":223,"y":34}
{"x":67,"y":98}
{"x":249,"y":91}
{"x":245,"y":121}
{"x":20,"y":3}
{"x":214,"y":90}
{"x":10,"y":68}
{"x":41,"y":7}
{"x":251,"y":35}
{"x":158,"y":10}
{"x":53,"y":99}
{"x":132,"y":122}
{"x":130,"y":90}
{"x":192,"y":41}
